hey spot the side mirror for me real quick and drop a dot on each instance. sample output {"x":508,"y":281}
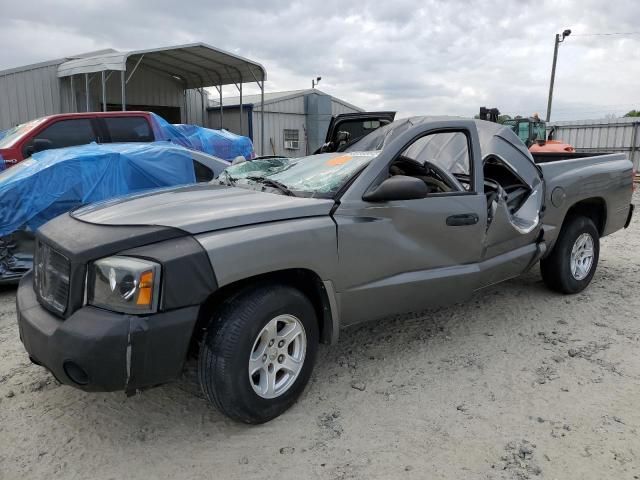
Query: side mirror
{"x":40,"y":144}
{"x":398,"y":187}
{"x":37,"y":145}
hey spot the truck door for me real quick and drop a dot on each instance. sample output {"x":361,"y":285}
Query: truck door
{"x":515,"y":195}
{"x":66,"y":132}
{"x":408,"y":255}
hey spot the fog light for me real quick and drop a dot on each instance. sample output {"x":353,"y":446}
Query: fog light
{"x":75,"y":372}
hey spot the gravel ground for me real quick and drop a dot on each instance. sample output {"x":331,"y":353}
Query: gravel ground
{"x":517,"y":383}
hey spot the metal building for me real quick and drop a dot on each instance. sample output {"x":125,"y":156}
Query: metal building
{"x":169,"y":81}
{"x":605,"y":135}
{"x":295,"y":122}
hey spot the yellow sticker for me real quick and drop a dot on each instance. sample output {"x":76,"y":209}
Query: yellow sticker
{"x":341,"y":160}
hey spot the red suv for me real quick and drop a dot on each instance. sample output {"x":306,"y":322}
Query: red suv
{"x":69,"y":129}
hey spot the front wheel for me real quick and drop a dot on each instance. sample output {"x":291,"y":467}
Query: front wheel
{"x":258,"y":352}
{"x":574,"y":258}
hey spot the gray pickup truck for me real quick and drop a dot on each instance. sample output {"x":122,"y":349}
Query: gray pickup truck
{"x":250,"y":272}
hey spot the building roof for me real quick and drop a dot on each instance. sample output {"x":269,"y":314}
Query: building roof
{"x":272,"y":97}
{"x":57,"y":61}
{"x":594,"y":121}
{"x":197,"y":65}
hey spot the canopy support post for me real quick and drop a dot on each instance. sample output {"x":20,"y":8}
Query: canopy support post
{"x":104,"y":91}
{"x":86,"y":91}
{"x":203,"y":111}
{"x":262,"y":118}
{"x":73,"y":95}
{"x":240,"y":88}
{"x":221,"y":109}
{"x":123,"y":94}
{"x":185,"y":106}
{"x":261,"y":85}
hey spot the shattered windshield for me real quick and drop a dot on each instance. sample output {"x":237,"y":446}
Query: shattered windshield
{"x":319,"y":176}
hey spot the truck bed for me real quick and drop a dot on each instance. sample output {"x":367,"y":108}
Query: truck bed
{"x":603,"y":181}
{"x":547,"y":157}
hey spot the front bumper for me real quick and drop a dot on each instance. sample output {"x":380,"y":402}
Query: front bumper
{"x":99,"y":350}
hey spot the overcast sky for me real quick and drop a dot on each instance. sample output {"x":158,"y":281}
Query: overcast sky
{"x":413,"y":56}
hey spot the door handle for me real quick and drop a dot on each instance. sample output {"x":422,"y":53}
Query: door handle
{"x":464,"y":219}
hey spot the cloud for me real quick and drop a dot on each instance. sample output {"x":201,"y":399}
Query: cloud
{"x":414,"y":56}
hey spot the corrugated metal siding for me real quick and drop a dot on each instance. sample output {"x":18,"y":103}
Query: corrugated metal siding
{"x":29,"y":94}
{"x":275,"y":124}
{"x":145,"y":88}
{"x":290,"y":115}
{"x":338,"y":108}
{"x":292,"y":105}
{"x":231,"y":118}
{"x":609,"y":135}
{"x":287,"y":114}
{"x":194,"y":107}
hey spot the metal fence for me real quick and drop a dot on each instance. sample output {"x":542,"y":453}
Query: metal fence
{"x":607,"y":135}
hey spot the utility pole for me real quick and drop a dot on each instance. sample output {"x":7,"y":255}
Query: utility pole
{"x":559,"y":40}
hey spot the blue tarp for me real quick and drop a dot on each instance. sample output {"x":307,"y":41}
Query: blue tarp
{"x":219,"y":143}
{"x":55,"y":181}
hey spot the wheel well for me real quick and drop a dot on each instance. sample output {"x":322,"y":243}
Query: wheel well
{"x":305,"y":280}
{"x":593,"y":208}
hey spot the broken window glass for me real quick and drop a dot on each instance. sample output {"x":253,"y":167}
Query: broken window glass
{"x":522,"y":202}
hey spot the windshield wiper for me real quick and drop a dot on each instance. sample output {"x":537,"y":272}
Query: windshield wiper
{"x":228,"y":180}
{"x":269,"y":182}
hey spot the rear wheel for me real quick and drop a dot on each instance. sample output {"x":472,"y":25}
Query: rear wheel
{"x":258,"y":352}
{"x":572,"y":263}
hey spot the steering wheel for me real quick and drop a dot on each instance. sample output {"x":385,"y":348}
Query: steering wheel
{"x":452,"y":182}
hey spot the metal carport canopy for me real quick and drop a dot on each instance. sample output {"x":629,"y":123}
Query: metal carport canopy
{"x":196,"y":65}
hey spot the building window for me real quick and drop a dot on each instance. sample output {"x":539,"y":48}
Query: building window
{"x":291,"y":139}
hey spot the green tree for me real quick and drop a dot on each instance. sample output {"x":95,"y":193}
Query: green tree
{"x":633,"y":113}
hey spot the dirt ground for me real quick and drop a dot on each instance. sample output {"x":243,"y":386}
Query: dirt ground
{"x":517,"y":383}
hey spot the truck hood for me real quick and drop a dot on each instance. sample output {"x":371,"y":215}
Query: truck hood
{"x":202,"y":208}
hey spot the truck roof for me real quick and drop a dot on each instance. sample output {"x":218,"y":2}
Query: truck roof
{"x":129,"y":113}
{"x":495,"y":140}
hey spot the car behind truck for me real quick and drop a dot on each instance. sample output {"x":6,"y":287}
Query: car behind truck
{"x":251,"y":272}
{"x":72,"y":129}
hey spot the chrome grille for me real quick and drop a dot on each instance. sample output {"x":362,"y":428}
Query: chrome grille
{"x":51,"y":270}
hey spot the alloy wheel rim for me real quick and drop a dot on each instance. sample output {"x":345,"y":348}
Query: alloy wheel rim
{"x":277,"y":356}
{"x":582,"y":256}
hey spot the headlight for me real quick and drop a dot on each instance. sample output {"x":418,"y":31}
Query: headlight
{"x":124,"y":284}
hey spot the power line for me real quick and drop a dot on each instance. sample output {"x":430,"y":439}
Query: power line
{"x":577,"y":111}
{"x":603,"y":34}
{"x":619,"y":106}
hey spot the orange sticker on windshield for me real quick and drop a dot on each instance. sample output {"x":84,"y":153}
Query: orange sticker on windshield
{"x":341,"y":160}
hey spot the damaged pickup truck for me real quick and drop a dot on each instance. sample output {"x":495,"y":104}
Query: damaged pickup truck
{"x":252,"y":271}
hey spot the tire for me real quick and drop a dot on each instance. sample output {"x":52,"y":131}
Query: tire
{"x":237,"y":332}
{"x":556,"y":269}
